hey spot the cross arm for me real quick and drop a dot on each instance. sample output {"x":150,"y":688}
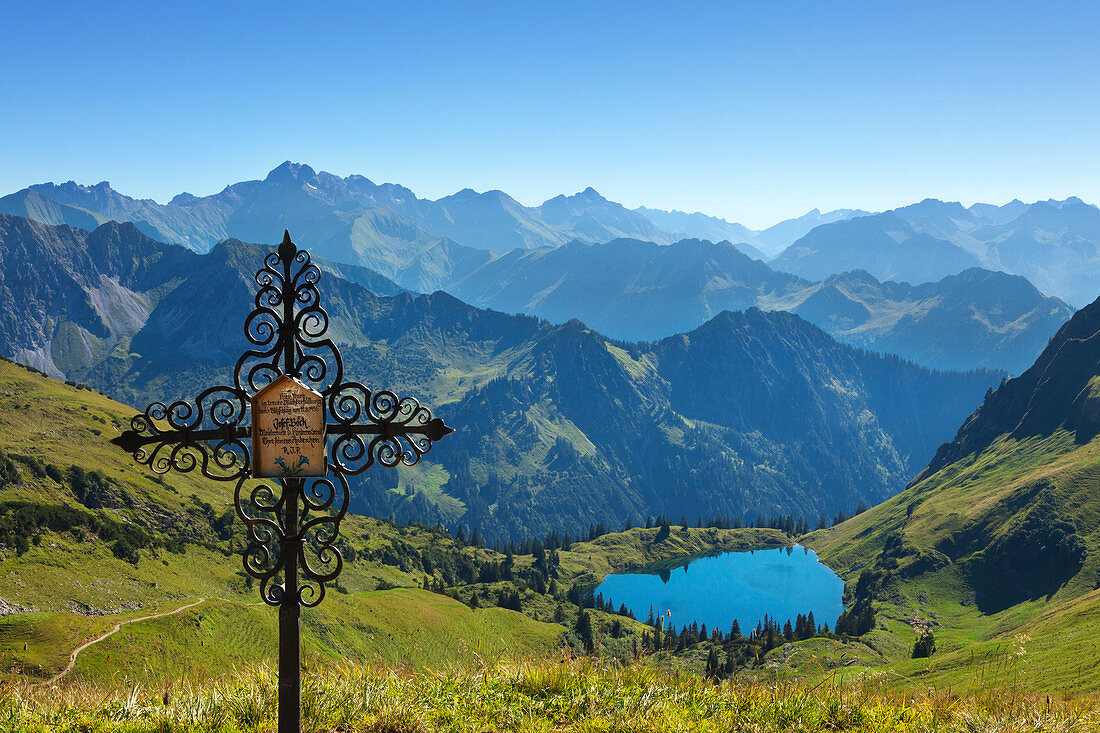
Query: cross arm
{"x":131,"y":440}
{"x":167,"y":449}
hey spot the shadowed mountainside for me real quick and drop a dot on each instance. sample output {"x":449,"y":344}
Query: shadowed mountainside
{"x":69,"y":298}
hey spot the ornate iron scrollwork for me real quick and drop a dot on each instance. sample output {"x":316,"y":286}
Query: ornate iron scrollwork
{"x":205,"y":434}
{"x":287,"y":330}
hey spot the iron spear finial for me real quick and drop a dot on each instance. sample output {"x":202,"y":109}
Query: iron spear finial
{"x":286,"y":249}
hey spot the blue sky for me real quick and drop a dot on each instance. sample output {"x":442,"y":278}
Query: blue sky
{"x":754,"y":112}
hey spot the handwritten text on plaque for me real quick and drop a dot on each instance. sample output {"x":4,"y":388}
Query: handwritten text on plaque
{"x":288,"y":430}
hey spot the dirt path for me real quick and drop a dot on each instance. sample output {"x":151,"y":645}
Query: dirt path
{"x":85,"y":645}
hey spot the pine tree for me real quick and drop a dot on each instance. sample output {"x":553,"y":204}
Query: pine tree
{"x":712,"y":665}
{"x":584,"y":631}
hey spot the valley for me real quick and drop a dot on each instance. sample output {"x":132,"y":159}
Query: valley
{"x":919,"y":566}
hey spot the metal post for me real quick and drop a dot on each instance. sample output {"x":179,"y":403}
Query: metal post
{"x":290,"y":612}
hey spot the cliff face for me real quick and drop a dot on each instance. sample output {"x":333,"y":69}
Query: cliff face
{"x":68,"y":297}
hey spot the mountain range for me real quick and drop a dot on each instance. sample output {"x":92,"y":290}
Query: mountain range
{"x":295,"y":196}
{"x":419,"y":242}
{"x":641,"y":291}
{"x":560,"y":427}
{"x":1054,"y":244}
{"x":759,"y":244}
{"x":625,"y":288}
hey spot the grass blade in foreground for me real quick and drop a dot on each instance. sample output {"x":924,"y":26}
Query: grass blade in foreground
{"x":535,"y":696}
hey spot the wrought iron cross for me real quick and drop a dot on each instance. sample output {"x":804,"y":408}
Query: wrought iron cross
{"x":293,"y":523}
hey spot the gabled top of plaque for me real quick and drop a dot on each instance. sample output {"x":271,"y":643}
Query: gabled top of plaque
{"x":281,"y":380}
{"x":288,"y":430}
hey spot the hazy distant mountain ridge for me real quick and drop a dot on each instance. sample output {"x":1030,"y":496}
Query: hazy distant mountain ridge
{"x":636,"y":290}
{"x":196,"y":226}
{"x":424,"y":245}
{"x":999,"y":214}
{"x":978,"y":318}
{"x":886,"y":245}
{"x":758,"y":244}
{"x":626,"y":288}
{"x":1054,"y":244}
{"x":702,"y":226}
{"x":295,"y":194}
{"x":387,"y":228}
{"x":33,"y":205}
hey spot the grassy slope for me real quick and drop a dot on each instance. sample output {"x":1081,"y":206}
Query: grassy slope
{"x":1044,"y":642}
{"x":79,"y":589}
{"x":62,"y":576}
{"x":409,"y":627}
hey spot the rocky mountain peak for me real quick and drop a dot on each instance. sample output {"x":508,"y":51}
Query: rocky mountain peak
{"x":291,"y":172}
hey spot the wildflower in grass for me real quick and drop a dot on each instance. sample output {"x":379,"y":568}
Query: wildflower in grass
{"x":1021,"y":640}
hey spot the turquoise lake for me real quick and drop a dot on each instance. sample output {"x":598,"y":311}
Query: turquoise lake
{"x":714,"y":590}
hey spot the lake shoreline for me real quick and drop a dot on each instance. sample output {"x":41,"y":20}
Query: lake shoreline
{"x":671,"y":563}
{"x":722,"y":587}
